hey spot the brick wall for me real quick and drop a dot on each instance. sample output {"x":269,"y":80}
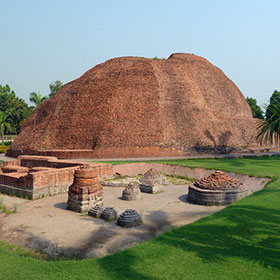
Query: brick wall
{"x":56,"y":178}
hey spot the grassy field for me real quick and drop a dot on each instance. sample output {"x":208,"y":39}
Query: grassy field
{"x":239,"y":242}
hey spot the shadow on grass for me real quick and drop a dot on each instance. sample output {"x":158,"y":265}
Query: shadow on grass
{"x":244,"y":232}
{"x":121,"y":267}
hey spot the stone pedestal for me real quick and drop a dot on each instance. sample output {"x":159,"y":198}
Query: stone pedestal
{"x":209,"y":197}
{"x":85,"y":192}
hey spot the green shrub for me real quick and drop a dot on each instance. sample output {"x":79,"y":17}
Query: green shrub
{"x":6,"y":143}
{"x":3,"y":149}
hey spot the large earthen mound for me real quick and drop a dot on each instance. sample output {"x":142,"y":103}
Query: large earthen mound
{"x":132,"y":106}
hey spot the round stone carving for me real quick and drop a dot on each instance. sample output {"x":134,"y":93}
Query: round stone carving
{"x":96,"y":211}
{"x":131,"y":192}
{"x":129,"y":218}
{"x":216,"y":189}
{"x":109,"y":214}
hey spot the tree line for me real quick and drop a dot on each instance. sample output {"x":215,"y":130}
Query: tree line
{"x":14,"y":111}
{"x":267,"y":113}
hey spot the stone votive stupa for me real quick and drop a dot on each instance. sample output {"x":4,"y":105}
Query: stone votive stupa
{"x":216,"y":189}
{"x":131,"y":192}
{"x":152,"y":182}
{"x":96,"y":211}
{"x":129,"y":218}
{"x":109,"y":214}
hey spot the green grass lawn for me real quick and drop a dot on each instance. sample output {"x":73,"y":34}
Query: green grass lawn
{"x":239,"y":242}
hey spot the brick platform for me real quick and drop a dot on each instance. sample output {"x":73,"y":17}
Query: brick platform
{"x":38,"y":176}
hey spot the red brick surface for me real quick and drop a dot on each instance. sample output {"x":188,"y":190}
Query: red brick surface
{"x":82,"y":197}
{"x":57,"y":174}
{"x":134,"y":106}
{"x":218,"y":180}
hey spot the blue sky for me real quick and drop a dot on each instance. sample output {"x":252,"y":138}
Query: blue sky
{"x":42,"y":41}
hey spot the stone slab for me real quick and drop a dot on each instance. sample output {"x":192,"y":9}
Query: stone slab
{"x":151,"y":189}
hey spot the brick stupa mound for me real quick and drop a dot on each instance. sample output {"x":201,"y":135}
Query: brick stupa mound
{"x":132,"y":106}
{"x":216,"y":189}
{"x":152,"y":181}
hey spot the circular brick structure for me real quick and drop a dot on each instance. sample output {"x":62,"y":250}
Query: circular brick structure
{"x":216,"y":189}
{"x":129,"y":218}
{"x":85,"y":172}
{"x":109,"y":214}
{"x":131,"y":192}
{"x":85,"y":192}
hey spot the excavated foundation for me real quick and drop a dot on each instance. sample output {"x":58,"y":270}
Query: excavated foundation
{"x":37,"y":176}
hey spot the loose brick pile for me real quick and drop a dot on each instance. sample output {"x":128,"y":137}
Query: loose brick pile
{"x":133,"y":106}
{"x":218,"y":180}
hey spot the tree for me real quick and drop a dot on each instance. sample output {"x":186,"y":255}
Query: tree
{"x":6,"y":89}
{"x":269,"y":130}
{"x":54,"y":87}
{"x":37,"y":98}
{"x":256,"y":109}
{"x":274,"y":99}
{"x":4,"y":124}
{"x":19,"y":111}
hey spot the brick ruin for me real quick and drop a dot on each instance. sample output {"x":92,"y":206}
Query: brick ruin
{"x":37,"y":176}
{"x":85,"y":192}
{"x":191,"y":107}
{"x":152,"y":181}
{"x":216,"y":189}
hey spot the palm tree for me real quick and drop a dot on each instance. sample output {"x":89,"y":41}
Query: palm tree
{"x":37,"y":99}
{"x":4,"y":125}
{"x":268,"y":131}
